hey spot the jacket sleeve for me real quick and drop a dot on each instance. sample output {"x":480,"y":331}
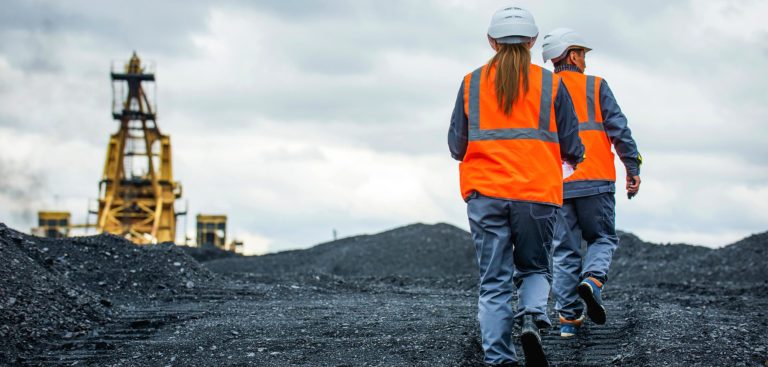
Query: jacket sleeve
{"x":571,"y":148}
{"x":618,"y":131}
{"x":457,"y":133}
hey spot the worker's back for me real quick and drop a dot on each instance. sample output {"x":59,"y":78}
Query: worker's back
{"x":585,"y":92}
{"x":512,"y":156}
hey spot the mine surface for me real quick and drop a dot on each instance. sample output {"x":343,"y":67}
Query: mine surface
{"x":405,"y":297}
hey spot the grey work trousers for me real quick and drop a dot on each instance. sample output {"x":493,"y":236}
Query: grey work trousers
{"x":512,"y":240}
{"x":593,"y":219}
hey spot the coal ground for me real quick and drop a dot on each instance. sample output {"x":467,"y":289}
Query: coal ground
{"x":405,"y":297}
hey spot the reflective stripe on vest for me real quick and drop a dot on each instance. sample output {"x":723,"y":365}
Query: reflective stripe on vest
{"x":598,"y":165}
{"x":591,"y":124}
{"x":512,"y":156}
{"x":542,"y":133}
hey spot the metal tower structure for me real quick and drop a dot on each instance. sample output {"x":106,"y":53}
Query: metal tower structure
{"x":137,"y":191}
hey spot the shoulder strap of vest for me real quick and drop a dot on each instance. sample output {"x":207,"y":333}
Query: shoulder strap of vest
{"x":591,"y":97}
{"x":474,"y":99}
{"x":546,"y":99}
{"x":591,"y":124}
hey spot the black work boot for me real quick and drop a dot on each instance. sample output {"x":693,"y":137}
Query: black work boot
{"x":531,"y":341}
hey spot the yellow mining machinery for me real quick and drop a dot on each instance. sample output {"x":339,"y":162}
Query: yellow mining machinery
{"x":52,"y":224}
{"x":137,"y":191}
{"x":212,"y":231}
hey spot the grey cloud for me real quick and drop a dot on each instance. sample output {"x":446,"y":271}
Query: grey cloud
{"x":366,"y":103}
{"x":358,"y":31}
{"x":361,"y":30}
{"x":158,"y":27}
{"x":287,"y":155}
{"x":347,"y":38}
{"x":22,"y":189}
{"x":655,"y":37}
{"x":306,"y":226}
{"x":328,"y":44}
{"x":303,"y":10}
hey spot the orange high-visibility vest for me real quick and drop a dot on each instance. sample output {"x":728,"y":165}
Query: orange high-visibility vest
{"x":598,"y":163}
{"x":517,"y":156}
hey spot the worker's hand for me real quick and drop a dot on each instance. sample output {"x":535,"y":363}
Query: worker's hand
{"x":633,"y":186}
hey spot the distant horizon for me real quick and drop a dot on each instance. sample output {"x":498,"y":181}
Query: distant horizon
{"x":340,"y":238}
{"x":660,"y":243}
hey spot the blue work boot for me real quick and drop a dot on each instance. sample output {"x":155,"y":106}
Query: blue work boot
{"x":569,"y":328}
{"x":531,"y":341}
{"x":589,"y":290}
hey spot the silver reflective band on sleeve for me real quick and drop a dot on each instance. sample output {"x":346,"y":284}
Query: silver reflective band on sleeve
{"x":542,"y":133}
{"x":590,"y":98}
{"x":591,"y":125}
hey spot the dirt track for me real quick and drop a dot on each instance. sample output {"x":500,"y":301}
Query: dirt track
{"x":253,"y":314}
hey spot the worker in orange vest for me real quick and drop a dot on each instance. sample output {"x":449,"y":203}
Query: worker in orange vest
{"x":512,"y":126}
{"x":588,"y":209}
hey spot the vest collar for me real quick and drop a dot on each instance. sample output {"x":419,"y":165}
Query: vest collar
{"x":568,"y":67}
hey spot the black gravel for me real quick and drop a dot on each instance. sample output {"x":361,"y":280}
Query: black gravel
{"x":68,"y":287}
{"x":208,"y":253}
{"x":405,"y":297}
{"x":38,"y":302}
{"x":638,"y":262}
{"x":116,"y":268}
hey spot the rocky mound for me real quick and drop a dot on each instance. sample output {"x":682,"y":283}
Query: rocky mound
{"x":37,"y":301}
{"x":636,"y":261}
{"x":116,"y":268}
{"x":208,"y":253}
{"x":743,"y":261}
{"x":417,"y":250}
{"x":640,"y":262}
{"x":65,"y":287}
{"x":442,"y":250}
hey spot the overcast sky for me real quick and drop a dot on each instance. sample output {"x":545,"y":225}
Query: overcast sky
{"x":297,"y":118}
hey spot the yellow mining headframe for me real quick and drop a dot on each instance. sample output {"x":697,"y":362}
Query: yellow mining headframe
{"x":137,"y":191}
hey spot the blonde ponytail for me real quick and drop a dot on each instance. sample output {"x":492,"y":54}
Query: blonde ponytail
{"x":512,"y":62}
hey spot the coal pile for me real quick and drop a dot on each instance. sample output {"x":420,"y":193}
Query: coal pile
{"x":66,"y":288}
{"x":208,"y":253}
{"x":116,"y":268}
{"x":638,"y":262}
{"x":443,"y":251}
{"x":417,"y":250}
{"x":37,"y":301}
{"x":743,"y":262}
{"x":405,"y":297}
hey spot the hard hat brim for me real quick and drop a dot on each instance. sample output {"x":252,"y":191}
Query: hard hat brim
{"x":513,"y":40}
{"x":511,"y":29}
{"x":547,"y":54}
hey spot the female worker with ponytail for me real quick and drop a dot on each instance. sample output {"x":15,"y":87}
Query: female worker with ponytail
{"x":513,"y":127}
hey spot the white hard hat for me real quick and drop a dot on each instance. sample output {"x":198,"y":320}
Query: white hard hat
{"x":557,"y":42}
{"x":512,"y":25}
